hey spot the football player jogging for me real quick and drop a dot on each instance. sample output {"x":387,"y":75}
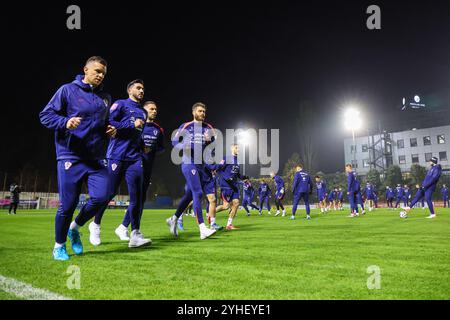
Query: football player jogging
{"x":186,"y":212}
{"x":445,"y":195}
{"x":125,"y":161}
{"x":429,"y":185}
{"x":321,"y":187}
{"x":301,"y":189}
{"x":228,"y":173}
{"x":353,"y":191}
{"x":279,"y":194}
{"x":264,"y":193}
{"x":78,"y":113}
{"x":153,"y":144}
{"x":249,"y":194}
{"x":195,"y":136}
{"x":211,"y":191}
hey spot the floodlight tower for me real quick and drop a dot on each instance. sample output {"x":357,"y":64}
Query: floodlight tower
{"x":353,"y":122}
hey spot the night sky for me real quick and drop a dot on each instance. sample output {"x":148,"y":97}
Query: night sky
{"x":252,"y":63}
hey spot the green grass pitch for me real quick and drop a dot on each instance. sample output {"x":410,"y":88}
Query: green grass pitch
{"x":268,"y":258}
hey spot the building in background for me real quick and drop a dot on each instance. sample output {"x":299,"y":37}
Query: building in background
{"x":404,"y":148}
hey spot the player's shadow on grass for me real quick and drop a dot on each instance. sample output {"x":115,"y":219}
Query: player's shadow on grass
{"x":124,"y":249}
{"x":250,"y":227}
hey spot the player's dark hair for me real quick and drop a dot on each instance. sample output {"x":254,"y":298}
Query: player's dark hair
{"x":349,"y":165}
{"x":317,"y":177}
{"x":132,"y":83}
{"x":149,"y":102}
{"x":300,"y":166}
{"x":197,"y":105}
{"x":97,"y":59}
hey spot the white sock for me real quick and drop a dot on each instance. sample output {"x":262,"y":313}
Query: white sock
{"x":74,"y":226}
{"x":230,"y":221}
{"x":58,"y":245}
{"x":213,"y":220}
{"x":174,"y":218}
{"x":284,"y":211}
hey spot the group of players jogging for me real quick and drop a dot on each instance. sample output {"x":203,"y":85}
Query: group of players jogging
{"x":85,"y":122}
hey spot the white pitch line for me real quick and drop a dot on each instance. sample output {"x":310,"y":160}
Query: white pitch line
{"x":26,"y":291}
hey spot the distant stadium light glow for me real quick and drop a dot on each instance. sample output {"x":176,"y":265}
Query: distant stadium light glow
{"x":352,"y":119}
{"x":244,"y":138}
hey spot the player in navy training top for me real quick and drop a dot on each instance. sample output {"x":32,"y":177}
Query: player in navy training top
{"x":321,"y":187}
{"x":301,"y":189}
{"x":249,"y":194}
{"x":279,"y":194}
{"x":445,"y":196}
{"x":191,"y":139}
{"x":125,"y":161}
{"x":406,"y":195}
{"x":153,"y":145}
{"x":264,"y":193}
{"x":369,"y":192}
{"x":429,"y":185}
{"x":78,"y":113}
{"x":390,"y":194}
{"x":340,"y":199}
{"x":229,"y":176}
{"x":353,"y":191}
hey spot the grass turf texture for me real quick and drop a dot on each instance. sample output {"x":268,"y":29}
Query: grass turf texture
{"x":268,"y":258}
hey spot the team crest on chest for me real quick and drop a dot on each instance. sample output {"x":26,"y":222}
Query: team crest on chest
{"x":155,"y":132}
{"x":193,"y":172}
{"x":67,"y":165}
{"x":114,"y":166}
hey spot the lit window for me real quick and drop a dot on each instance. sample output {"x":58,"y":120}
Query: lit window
{"x":441,"y":139}
{"x":366,"y":163}
{"x":402,"y":159}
